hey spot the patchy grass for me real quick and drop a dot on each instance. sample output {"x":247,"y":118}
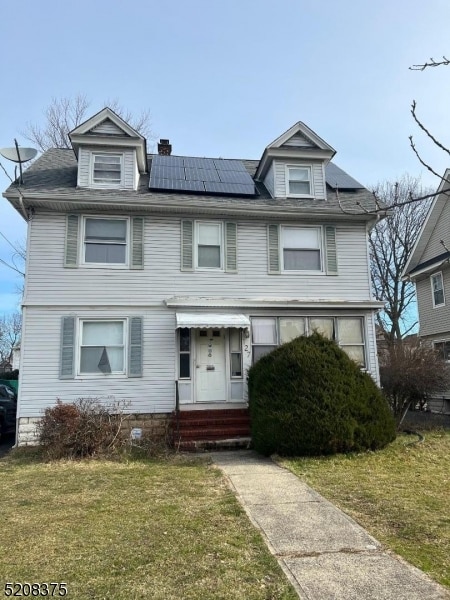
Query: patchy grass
{"x":140,"y":529}
{"x":401,"y":495}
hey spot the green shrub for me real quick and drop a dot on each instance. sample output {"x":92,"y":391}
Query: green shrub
{"x":308,"y":397}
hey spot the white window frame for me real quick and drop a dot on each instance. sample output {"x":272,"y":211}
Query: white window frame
{"x":106,"y":184}
{"x":79,"y":333}
{"x":95,"y":265}
{"x":222,"y":246}
{"x":307,"y":167}
{"x":439,"y":273}
{"x":319,"y":229}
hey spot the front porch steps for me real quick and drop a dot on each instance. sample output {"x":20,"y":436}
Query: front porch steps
{"x":211,"y":429}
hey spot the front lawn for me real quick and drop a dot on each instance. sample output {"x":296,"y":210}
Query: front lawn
{"x":124,"y":530}
{"x":401,"y":495}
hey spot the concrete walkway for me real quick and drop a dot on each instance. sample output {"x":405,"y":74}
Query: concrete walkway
{"x":324,"y":553}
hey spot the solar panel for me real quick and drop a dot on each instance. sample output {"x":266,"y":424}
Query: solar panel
{"x":223,"y":164}
{"x":169,"y":161}
{"x":164,"y":172}
{"x":235,"y":177}
{"x":199,"y":163}
{"x":191,"y":174}
{"x":178,"y":184}
{"x":239,"y":189}
{"x":337,"y":178}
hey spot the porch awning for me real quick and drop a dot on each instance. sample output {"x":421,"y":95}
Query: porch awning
{"x":206,"y":320}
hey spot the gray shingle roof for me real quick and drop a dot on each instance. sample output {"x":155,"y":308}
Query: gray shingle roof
{"x":55,"y":174}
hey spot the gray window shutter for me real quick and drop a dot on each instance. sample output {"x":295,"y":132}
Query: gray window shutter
{"x":135,"y":347}
{"x":187,"y":246}
{"x":273,"y":248}
{"x":331,"y":252}
{"x":67,"y":367}
{"x":231,"y":247}
{"x":71,"y":250}
{"x":137,"y":243}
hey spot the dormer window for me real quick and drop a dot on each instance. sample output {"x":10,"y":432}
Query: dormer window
{"x":299,"y":181}
{"x":107,"y":169}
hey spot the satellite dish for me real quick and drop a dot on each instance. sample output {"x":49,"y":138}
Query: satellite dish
{"x":18,"y":154}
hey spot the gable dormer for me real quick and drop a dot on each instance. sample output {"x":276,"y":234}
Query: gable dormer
{"x":293,"y":165}
{"x":110,"y":153}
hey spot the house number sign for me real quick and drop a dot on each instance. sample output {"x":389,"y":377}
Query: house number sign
{"x":210,"y":348}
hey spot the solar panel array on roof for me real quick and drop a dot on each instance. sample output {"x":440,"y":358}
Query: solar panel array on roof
{"x":337,"y":178}
{"x":208,"y":175}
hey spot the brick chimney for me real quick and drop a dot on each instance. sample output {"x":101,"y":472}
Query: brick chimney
{"x":164,"y":148}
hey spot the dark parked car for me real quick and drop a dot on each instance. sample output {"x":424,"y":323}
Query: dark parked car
{"x":8,"y":408}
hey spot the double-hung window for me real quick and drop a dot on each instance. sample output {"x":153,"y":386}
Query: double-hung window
{"x":209,"y":245}
{"x":107,"y":169}
{"x":298,"y":181}
{"x":236,"y":352}
{"x":302,"y":248}
{"x":437,"y":287}
{"x":105,"y":241}
{"x":102,"y":347}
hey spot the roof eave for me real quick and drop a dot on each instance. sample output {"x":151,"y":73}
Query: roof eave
{"x":287,"y":153}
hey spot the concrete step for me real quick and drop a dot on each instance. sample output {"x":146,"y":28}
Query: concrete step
{"x":237,"y":443}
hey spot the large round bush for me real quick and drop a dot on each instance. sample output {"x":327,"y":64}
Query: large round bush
{"x":308,"y":397}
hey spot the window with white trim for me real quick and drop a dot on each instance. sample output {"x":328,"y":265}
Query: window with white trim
{"x":105,"y":241}
{"x":347,"y":332}
{"x":437,"y":288}
{"x":302,"y":248}
{"x":102,"y":347}
{"x":106,"y":169}
{"x":185,"y":353}
{"x":298,"y":181}
{"x":236,"y":353}
{"x":443,"y":348}
{"x":209,"y":245}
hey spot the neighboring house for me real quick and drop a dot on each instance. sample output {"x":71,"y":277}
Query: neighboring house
{"x":429,"y":268}
{"x":6,"y":366}
{"x":159,"y":279}
{"x":16,"y":357}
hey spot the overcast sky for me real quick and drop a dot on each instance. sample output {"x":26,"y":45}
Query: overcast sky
{"x":226,"y":77}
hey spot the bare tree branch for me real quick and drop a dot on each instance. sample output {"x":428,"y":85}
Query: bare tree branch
{"x":432,"y":63}
{"x":10,"y":330}
{"x":390,"y":244}
{"x":64,"y":114}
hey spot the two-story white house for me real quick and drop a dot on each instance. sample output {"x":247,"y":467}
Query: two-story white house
{"x":158,"y":279}
{"x":429,"y":268}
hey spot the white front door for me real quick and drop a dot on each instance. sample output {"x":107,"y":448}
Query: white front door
{"x":210,"y":367}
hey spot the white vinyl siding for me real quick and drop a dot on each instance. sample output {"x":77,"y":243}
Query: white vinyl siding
{"x":49,"y":282}
{"x":129,"y":179}
{"x":298,"y":141}
{"x":437,"y":289}
{"x":269,"y":181}
{"x":150,"y":391}
{"x":107,"y":127}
